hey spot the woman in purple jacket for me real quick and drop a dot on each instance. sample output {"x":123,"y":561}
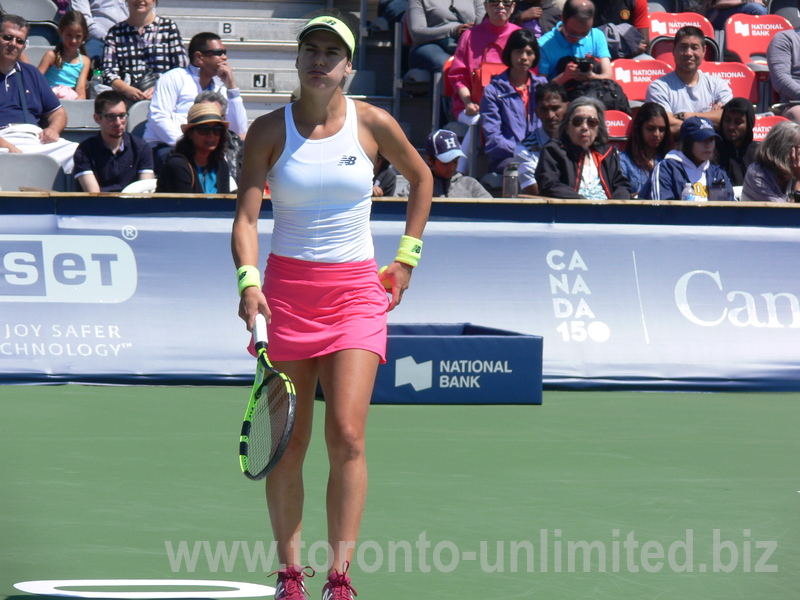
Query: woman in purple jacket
{"x":508,"y":101}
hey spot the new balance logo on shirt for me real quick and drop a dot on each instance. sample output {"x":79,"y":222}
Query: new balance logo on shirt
{"x":347,"y":161}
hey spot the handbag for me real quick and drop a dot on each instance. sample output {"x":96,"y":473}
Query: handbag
{"x":484,"y":72}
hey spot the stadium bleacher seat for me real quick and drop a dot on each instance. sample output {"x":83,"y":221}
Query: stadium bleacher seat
{"x":32,"y":10}
{"x":746,"y":40}
{"x":740,"y":77}
{"x":788,"y":9}
{"x":34,"y":53}
{"x":635,"y":76}
{"x":664,"y":24}
{"x":763,"y":124}
{"x":619,"y":127}
{"x":38,"y":171}
{"x":137,"y":117}
{"x":43,"y":34}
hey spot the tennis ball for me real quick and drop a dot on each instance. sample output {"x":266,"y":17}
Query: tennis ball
{"x":386,"y":282}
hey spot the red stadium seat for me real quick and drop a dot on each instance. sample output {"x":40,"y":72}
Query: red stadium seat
{"x":660,"y":48}
{"x":740,"y":77}
{"x":635,"y":75}
{"x":763,"y":125}
{"x":667,"y":24}
{"x":747,"y":36}
{"x":619,"y":127}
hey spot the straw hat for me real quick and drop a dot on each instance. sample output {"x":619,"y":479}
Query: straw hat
{"x":204,"y":113}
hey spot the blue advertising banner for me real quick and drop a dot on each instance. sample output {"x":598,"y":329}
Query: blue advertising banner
{"x":153,"y":299}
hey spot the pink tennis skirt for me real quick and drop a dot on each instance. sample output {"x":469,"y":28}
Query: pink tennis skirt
{"x":321,"y":308}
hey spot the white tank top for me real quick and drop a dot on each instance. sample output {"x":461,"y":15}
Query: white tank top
{"x":322,"y":195}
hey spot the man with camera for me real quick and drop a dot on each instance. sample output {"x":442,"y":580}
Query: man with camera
{"x":575,"y":50}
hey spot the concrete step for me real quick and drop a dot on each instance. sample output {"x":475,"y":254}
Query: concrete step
{"x":266,"y":79}
{"x":253,"y":29}
{"x":295,"y":9}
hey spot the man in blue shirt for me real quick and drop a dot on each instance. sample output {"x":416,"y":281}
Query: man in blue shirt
{"x":112,"y":159}
{"x":574,"y":37}
{"x":31,"y":117}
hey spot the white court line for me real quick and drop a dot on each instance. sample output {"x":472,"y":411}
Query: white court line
{"x":236,"y":589}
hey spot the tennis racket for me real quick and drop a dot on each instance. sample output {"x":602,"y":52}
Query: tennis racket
{"x":269,"y":418}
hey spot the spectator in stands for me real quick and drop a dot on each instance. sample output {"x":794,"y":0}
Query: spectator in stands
{"x":580,"y":163}
{"x":443,"y":151}
{"x":385,"y":180}
{"x":691,"y":164}
{"x":484,"y":42}
{"x":100,"y":15}
{"x":775,"y":174}
{"x":197,"y":165}
{"x":140,"y":49}
{"x":31,"y":117}
{"x":508,"y":105}
{"x":176,"y":90}
{"x":687,"y":91}
{"x":574,"y":37}
{"x":112,"y":159}
{"x":737,"y":149}
{"x":551,"y":105}
{"x":66,"y":67}
{"x":625,"y":14}
{"x":540,"y":16}
{"x":235,"y":144}
{"x":435,"y":27}
{"x":527,"y":14}
{"x":718,"y":11}
{"x":783,"y":58}
{"x":648,"y":144}
{"x":392,"y":10}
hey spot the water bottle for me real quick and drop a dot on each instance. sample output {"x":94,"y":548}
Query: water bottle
{"x":511,"y":181}
{"x":688,"y":192}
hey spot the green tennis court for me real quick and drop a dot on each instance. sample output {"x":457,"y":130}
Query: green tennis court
{"x":614,"y":495}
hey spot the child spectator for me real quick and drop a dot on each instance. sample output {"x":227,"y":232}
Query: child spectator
{"x":508,"y":103}
{"x":691,"y":164}
{"x":738,"y":149}
{"x":66,"y":67}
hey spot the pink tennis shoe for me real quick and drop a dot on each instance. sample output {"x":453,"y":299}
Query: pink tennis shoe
{"x":338,"y":586}
{"x":290,"y":584}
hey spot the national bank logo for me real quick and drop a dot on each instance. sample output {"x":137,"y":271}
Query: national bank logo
{"x":420,"y":376}
{"x":460,"y":373}
{"x":66,"y":268}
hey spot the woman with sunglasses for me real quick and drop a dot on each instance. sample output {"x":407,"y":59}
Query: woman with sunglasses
{"x":482,"y":43}
{"x":580,"y":163}
{"x":197,"y":165}
{"x":324,"y":300}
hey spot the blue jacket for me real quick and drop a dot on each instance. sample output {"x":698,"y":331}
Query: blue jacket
{"x":671,"y":175}
{"x":503,"y":116}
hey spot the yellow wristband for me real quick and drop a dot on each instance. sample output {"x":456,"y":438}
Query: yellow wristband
{"x":248,"y":276}
{"x":410,"y":251}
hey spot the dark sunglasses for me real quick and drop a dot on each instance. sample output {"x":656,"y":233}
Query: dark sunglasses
{"x":111,"y":117}
{"x":506,"y":3}
{"x":219,"y":52}
{"x":10,"y":38}
{"x":209,"y":129}
{"x":590,"y":121}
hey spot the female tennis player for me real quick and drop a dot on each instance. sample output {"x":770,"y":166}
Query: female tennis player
{"x":324,"y":300}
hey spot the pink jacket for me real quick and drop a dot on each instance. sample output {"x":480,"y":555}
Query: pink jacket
{"x":484,"y":42}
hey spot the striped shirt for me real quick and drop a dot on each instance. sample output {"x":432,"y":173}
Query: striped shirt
{"x":128,"y":55}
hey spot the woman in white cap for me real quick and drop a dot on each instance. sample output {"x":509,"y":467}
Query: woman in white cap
{"x":197,"y":165}
{"x":323,"y":297}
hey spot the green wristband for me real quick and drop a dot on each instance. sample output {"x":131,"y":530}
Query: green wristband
{"x":248,"y":276}
{"x":410,"y":251}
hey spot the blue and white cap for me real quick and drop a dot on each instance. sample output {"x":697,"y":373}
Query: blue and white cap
{"x":444,"y":146}
{"x":698,"y":128}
